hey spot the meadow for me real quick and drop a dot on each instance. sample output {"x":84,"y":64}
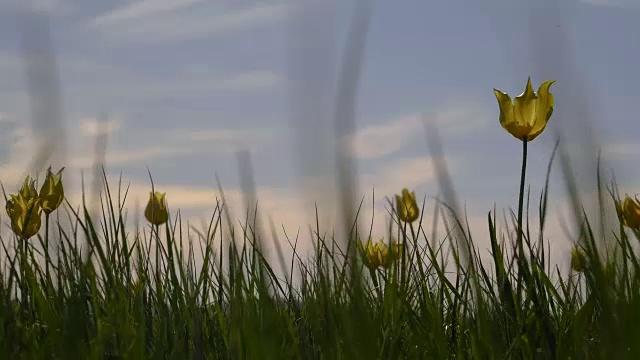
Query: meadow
{"x":112,"y":290}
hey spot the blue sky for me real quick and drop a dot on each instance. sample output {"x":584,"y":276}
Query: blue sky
{"x":184,"y":84}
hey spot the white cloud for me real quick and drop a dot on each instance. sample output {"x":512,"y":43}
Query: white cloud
{"x":133,"y":88}
{"x":394,"y":175}
{"x":52,"y":7}
{"x":124,"y":147}
{"x":253,"y":80}
{"x":456,"y":118}
{"x":620,"y":151}
{"x":22,"y":150}
{"x":614,"y":3}
{"x":231,"y":139}
{"x":462,"y":116}
{"x":93,"y":127}
{"x":380,"y":140}
{"x":140,"y":10}
{"x":128,"y":157}
{"x":6,"y":118}
{"x":207,"y":140}
{"x":172,"y":21}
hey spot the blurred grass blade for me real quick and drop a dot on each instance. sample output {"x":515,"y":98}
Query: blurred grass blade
{"x":345,"y":117}
{"x":250,"y":195}
{"x":99,"y":163}
{"x":45,"y":98}
{"x":44,"y":90}
{"x":445,"y":184}
{"x":553,"y":57}
{"x":310,"y":61}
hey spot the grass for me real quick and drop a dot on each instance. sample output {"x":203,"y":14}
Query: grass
{"x":101,"y":296}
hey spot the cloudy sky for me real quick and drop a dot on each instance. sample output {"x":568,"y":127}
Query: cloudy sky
{"x":182,"y":85}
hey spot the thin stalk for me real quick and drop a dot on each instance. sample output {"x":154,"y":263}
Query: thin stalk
{"x":154,"y":229}
{"x":47,"y":259}
{"x":520,"y":234}
{"x":376,"y":283}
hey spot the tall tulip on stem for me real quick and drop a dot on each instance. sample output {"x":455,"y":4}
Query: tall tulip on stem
{"x":407,"y":211}
{"x":525,"y":118}
{"x":51,"y":196}
{"x":156,"y":214}
{"x":24,"y":212}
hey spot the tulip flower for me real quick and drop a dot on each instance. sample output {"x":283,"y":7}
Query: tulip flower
{"x":578,"y":260}
{"x":525,"y":118}
{"x":52,"y":192}
{"x":24,"y":215}
{"x":630,"y":212}
{"x":379,"y":254}
{"x":529,"y":113}
{"x":28,"y":190}
{"x":395,"y":253}
{"x":372,"y":253}
{"x":407,"y":207}
{"x":156,"y":211}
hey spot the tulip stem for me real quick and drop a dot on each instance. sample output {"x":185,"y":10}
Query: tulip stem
{"x":47,"y":259}
{"x":376,"y":283}
{"x":414,"y":243}
{"x":157,"y":241}
{"x":520,"y":235}
{"x":403,"y":260}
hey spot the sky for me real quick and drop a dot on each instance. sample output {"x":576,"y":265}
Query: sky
{"x":180,"y":86}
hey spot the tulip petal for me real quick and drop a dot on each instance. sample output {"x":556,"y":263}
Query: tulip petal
{"x":506,"y":108}
{"x":524,"y":110}
{"x":630,"y":212}
{"x":544,"y":108}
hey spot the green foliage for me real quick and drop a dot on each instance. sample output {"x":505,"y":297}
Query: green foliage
{"x":101,"y":296}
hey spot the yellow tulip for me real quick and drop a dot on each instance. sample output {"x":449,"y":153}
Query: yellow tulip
{"x":379,"y":254}
{"x":407,"y":207}
{"x":24,"y":215}
{"x":529,"y":113}
{"x":28,"y":190}
{"x":396,"y":250}
{"x":371,"y":254}
{"x":394,"y":253}
{"x":52,"y":192}
{"x":156,"y":210}
{"x":578,"y":260}
{"x":630,"y":212}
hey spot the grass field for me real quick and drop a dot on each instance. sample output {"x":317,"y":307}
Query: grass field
{"x":109,"y":289}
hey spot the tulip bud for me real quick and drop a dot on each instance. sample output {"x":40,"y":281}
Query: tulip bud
{"x":156,"y":211}
{"x":369,"y":252}
{"x":52,"y":192}
{"x":578,"y":260}
{"x":629,"y":212}
{"x":407,"y":207}
{"x":396,"y":251}
{"x":379,"y":254}
{"x":24,"y":215}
